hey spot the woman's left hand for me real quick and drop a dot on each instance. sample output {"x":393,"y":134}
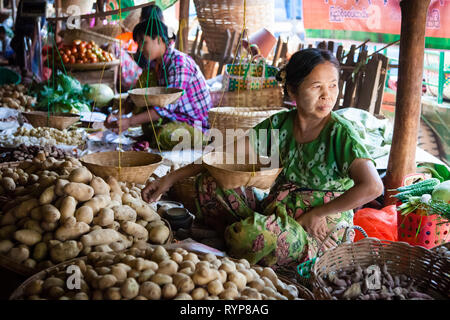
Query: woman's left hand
{"x":113,"y":125}
{"x":316,"y":225}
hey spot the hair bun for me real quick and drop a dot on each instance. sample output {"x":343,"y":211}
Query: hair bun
{"x":281,"y":75}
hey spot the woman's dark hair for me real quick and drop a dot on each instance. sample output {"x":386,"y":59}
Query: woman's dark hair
{"x":153,"y":28}
{"x":151,"y":11}
{"x":301,"y":64}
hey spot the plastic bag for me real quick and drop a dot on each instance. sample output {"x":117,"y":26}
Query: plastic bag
{"x":381,"y":224}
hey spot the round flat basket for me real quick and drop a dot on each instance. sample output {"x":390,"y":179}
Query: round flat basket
{"x":232,"y":175}
{"x":154,"y":96}
{"x":135,"y":166}
{"x":92,"y":66}
{"x":11,"y":265}
{"x":430,"y":273}
{"x":303,"y":292}
{"x":59,"y":121}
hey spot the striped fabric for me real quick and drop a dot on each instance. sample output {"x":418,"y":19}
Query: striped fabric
{"x":182,"y":72}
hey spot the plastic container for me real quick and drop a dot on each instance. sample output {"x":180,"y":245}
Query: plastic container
{"x":179,"y":218}
{"x":8,"y":76}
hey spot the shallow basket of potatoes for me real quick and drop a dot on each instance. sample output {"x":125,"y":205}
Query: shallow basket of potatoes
{"x":60,"y":211}
{"x":157,"y":273}
{"x":373,"y":269}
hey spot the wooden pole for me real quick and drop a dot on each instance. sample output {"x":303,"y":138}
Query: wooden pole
{"x":409,"y":90}
{"x":183,"y":29}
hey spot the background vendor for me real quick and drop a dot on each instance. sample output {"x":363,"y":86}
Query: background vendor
{"x":174,"y":69}
{"x":327,"y":172}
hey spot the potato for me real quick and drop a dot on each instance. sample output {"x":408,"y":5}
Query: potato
{"x":178,"y":258}
{"x":135,"y":230}
{"x":229,"y":294}
{"x":68,"y":207}
{"x":230,"y":285}
{"x":114,"y":185}
{"x":191,"y":257}
{"x":113,"y":294}
{"x":183,"y":296}
{"x":48,"y":226}
{"x":106,"y":281}
{"x":59,"y":187}
{"x":100,"y":236}
{"x":124,"y":213}
{"x":159,"y":234}
{"x":227,"y":266}
{"x":100,"y":186}
{"x":33,"y":225}
{"x":84,"y":214}
{"x":79,"y":191}
{"x":71,"y":232}
{"x":80,"y":175}
{"x":24,"y":209}
{"x":5,"y":246}
{"x":8,"y":184}
{"x":48,"y":196}
{"x":50,"y":213}
{"x":65,"y":251}
{"x":7,"y":232}
{"x":145,"y":275}
{"x":143,"y":210}
{"x":199,"y":294}
{"x":98,"y":202}
{"x":269,"y":273}
{"x":161,"y":279}
{"x":257,"y":284}
{"x":150,"y":290}
{"x":168,"y":267}
{"x":105,"y":217}
{"x":34,"y":288}
{"x":36,"y":214}
{"x":215,"y":287}
{"x":28,"y":237}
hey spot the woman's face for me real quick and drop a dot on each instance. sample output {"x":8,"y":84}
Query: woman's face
{"x":153,"y":48}
{"x":318,"y":92}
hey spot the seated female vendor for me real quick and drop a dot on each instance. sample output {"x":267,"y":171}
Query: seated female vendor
{"x":174,"y":69}
{"x":327,"y":172}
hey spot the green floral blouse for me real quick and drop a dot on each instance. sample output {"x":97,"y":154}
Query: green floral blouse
{"x":321,"y":164}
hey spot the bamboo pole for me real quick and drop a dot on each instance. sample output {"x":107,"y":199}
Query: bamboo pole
{"x":183,"y":29}
{"x":407,"y":108}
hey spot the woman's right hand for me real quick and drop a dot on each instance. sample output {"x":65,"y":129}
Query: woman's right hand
{"x":155,"y":189}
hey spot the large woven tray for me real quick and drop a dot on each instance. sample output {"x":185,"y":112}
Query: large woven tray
{"x":136,"y":166}
{"x":419,"y":263}
{"x":18,"y":294}
{"x":154,"y":96}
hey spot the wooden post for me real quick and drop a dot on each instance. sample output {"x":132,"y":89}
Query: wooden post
{"x":409,"y":90}
{"x":183,"y":29}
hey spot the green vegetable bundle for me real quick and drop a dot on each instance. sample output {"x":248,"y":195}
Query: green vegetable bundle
{"x":67,"y":95}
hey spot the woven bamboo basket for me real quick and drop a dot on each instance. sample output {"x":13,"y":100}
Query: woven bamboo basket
{"x":59,"y":121}
{"x":215,"y":17}
{"x":431,"y":274}
{"x":230,"y":176}
{"x":92,"y":66}
{"x":270,"y":97}
{"x":110,"y":30}
{"x":18,"y":294}
{"x":136,"y":166}
{"x":87,"y":35}
{"x":184,"y":191}
{"x":239,"y":118}
{"x":154,"y":96}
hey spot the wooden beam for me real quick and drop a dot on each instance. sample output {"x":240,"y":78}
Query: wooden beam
{"x":103,"y":14}
{"x":183,"y":29}
{"x":409,"y":90}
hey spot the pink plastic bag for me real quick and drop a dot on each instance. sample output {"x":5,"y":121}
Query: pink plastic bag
{"x":381,"y":224}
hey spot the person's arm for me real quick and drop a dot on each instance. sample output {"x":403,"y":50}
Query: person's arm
{"x":143,"y":117}
{"x":367,"y":186}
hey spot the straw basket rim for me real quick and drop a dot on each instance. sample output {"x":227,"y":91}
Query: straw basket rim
{"x":99,"y":163}
{"x":230,"y":179}
{"x":57,"y":120}
{"x":18,"y":293}
{"x":92,"y":65}
{"x":155,"y":96}
{"x":399,"y":257}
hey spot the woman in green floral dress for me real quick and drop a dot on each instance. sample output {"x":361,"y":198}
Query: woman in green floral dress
{"x":327,"y":172}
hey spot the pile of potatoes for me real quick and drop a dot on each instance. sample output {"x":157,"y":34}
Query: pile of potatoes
{"x":23,"y":152}
{"x":59,"y":210}
{"x":160,"y":274}
{"x":358,"y":284}
{"x":13,"y":96}
{"x":51,"y":136}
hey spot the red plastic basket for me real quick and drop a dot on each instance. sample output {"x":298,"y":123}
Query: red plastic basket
{"x":422,"y":230}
